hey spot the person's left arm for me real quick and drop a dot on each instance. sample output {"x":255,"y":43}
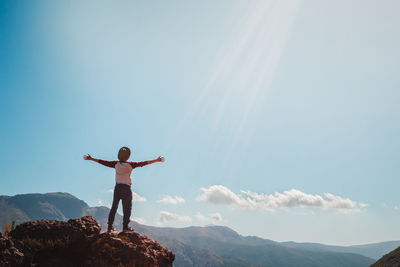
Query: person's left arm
{"x":147,"y":162}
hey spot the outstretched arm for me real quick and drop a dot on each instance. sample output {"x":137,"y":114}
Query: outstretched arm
{"x":147,"y":162}
{"x":159,"y":159}
{"x":88,"y":157}
{"x":110,"y":164}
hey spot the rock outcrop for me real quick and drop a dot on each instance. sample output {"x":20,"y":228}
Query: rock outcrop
{"x":392,"y":259}
{"x":9,"y":254}
{"x":79,"y":242}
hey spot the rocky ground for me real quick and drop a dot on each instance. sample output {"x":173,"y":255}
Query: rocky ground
{"x":79,"y":242}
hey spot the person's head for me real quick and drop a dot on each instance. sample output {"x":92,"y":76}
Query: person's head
{"x":124,"y":153}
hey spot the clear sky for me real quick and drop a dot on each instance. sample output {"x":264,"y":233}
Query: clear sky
{"x":279,"y":119}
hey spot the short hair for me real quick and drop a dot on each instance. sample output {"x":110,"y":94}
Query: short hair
{"x":124,"y":153}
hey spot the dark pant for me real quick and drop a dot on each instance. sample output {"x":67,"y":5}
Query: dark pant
{"x":124,"y":192}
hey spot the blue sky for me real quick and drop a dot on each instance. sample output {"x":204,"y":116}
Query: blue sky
{"x":278,"y":119}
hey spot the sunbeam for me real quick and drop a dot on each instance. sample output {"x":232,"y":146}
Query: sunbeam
{"x":244,"y":68}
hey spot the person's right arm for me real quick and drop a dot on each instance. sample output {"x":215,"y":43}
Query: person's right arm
{"x":107,"y":163}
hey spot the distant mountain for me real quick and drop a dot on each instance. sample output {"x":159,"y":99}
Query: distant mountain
{"x":375,"y":250}
{"x":54,"y":206}
{"x":236,"y":250}
{"x":196,"y":246}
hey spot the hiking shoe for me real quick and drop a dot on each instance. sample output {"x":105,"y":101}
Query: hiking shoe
{"x":127,"y":229}
{"x":110,"y":229}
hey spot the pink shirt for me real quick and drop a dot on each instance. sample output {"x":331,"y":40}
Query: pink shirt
{"x":123,"y":170}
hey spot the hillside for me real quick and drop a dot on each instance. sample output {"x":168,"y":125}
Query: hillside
{"x":374,"y":251}
{"x":52,"y":206}
{"x":391,"y":259}
{"x":193,"y":246}
{"x":231,"y":248}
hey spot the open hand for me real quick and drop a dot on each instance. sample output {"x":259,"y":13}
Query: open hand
{"x":161,"y":159}
{"x":87,"y":157}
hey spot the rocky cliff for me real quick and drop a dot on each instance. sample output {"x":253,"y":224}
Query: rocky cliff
{"x":79,"y":242}
{"x":391,"y":259}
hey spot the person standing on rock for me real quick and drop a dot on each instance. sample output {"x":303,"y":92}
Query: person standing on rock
{"x":122,"y":190}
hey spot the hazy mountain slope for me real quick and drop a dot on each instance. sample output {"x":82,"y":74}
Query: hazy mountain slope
{"x":57,"y":206}
{"x":231,"y":247}
{"x":10,"y":213}
{"x":201,"y":236}
{"x":275,"y":255}
{"x":374,"y":251}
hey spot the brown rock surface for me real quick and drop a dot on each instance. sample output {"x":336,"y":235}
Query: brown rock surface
{"x":132,"y":248}
{"x":9,"y":254}
{"x":74,"y":229}
{"x":79,"y":242}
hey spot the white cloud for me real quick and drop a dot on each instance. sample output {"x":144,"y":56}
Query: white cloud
{"x":139,"y":220}
{"x":212,"y":217}
{"x":110,"y":191}
{"x":137,"y":198}
{"x":171,"y":200}
{"x":200,"y":217}
{"x":248,"y":200}
{"x":166,"y":216}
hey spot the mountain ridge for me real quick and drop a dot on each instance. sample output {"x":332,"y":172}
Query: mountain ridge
{"x":202,"y":245}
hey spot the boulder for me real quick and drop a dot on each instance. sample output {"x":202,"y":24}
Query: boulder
{"x":74,"y":229}
{"x":128,"y":249}
{"x":9,"y":254}
{"x":79,"y":242}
